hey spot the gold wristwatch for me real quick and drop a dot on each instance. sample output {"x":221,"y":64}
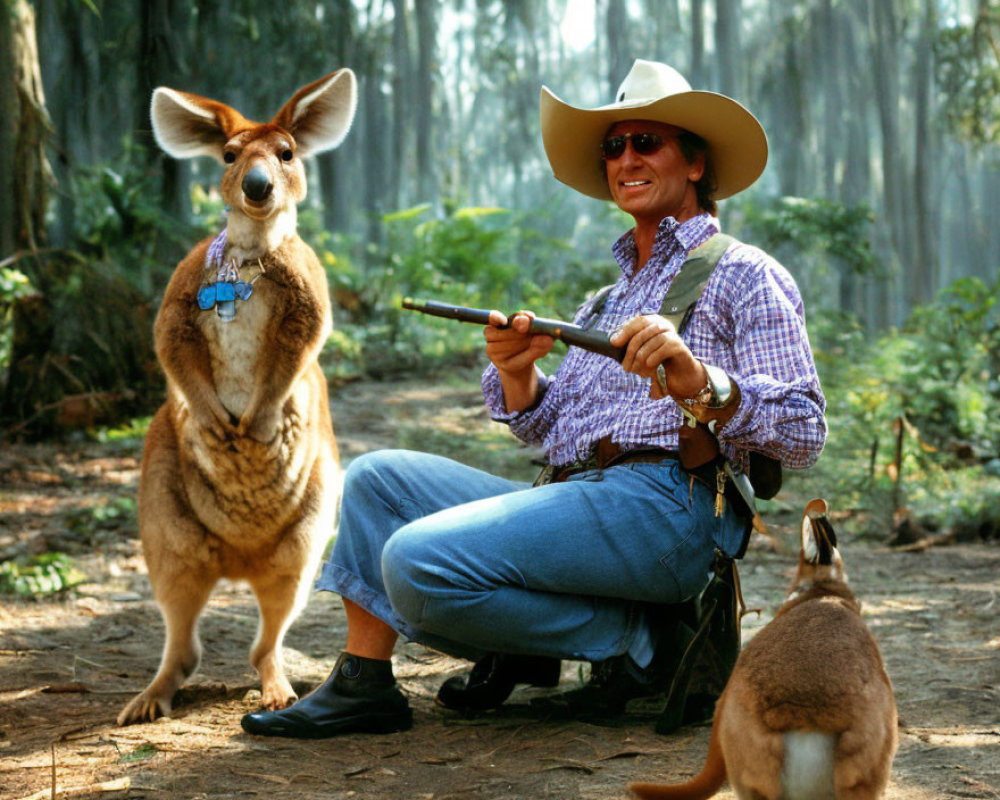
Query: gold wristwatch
{"x":716,"y":403}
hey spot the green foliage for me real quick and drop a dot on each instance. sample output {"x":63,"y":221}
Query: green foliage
{"x":53,"y":346}
{"x":112,"y":513}
{"x":968,"y":73}
{"x":47,"y":574}
{"x":939,"y":376}
{"x":130,"y":431}
{"x":143,"y":752}
{"x":815,"y":226}
{"x":825,"y":244}
{"x":951,"y":362}
{"x":14,"y":285}
{"x":119,"y":220}
{"x":479,"y":257}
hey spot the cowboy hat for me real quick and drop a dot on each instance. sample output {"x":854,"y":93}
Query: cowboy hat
{"x":653,"y":91}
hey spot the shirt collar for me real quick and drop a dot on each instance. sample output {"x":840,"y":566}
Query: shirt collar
{"x":687,"y":235}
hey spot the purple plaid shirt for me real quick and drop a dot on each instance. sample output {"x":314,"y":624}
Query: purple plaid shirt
{"x":749,"y":321}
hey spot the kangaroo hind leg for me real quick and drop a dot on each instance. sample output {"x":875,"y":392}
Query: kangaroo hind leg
{"x":181,"y":600}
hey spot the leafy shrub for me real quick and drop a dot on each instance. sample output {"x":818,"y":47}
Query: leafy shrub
{"x":968,"y":73}
{"x":49,"y":573}
{"x":937,"y":377}
{"x":121,"y":251}
{"x":112,"y":513}
{"x":14,"y":286}
{"x":832,"y":238}
{"x":478,"y":257}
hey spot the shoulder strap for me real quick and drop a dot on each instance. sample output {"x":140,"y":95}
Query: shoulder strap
{"x":600,"y":300}
{"x":686,"y":288}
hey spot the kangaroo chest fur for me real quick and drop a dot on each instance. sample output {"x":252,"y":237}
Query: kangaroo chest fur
{"x":234,"y":347}
{"x":241,"y":487}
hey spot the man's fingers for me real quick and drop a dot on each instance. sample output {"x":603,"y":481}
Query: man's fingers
{"x":651,"y":340}
{"x":521,"y":321}
{"x":657,"y":350}
{"x":498,"y":317}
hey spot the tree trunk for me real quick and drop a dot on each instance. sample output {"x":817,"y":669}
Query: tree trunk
{"x":697,"y":75}
{"x":855,"y":187}
{"x":727,"y":47}
{"x":426,"y":59}
{"x":159,"y":63}
{"x":618,"y":60}
{"x":24,"y":129}
{"x":664,"y":20}
{"x":24,"y":179}
{"x":924,"y":284}
{"x":793,"y":177}
{"x":830,"y":51}
{"x":401,"y":103}
{"x":335,"y":168}
{"x":885,"y":50}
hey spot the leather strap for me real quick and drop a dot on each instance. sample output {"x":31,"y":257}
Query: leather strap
{"x":687,"y":286}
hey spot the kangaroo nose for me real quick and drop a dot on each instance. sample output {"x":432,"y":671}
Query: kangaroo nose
{"x":257,"y":184}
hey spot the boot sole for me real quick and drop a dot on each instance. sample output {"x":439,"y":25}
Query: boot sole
{"x":359,"y":724}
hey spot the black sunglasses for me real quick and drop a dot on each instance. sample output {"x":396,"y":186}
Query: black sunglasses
{"x":645,"y":144}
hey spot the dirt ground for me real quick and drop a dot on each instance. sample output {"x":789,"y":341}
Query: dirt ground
{"x":69,"y":663}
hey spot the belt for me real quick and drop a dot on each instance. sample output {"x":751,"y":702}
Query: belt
{"x":603,"y":454}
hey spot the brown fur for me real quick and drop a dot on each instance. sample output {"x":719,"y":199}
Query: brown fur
{"x":814,"y":669}
{"x":240,"y":473}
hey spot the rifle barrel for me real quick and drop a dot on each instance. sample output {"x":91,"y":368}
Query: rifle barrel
{"x":477,"y":316}
{"x":586,"y":338}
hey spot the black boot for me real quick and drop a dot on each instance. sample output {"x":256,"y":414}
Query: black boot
{"x":617,"y":681}
{"x":360,"y":696}
{"x":493,"y":678}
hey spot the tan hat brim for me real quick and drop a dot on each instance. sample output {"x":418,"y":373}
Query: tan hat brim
{"x":572,"y":137}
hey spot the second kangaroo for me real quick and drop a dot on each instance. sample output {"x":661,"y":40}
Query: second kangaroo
{"x":808,"y":712}
{"x":240,"y":472}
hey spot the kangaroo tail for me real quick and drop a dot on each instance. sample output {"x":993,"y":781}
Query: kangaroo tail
{"x":703,"y":785}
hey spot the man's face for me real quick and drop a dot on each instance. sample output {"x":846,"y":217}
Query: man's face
{"x":656,"y":184}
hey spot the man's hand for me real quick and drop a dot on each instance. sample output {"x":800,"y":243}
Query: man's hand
{"x":514,"y":351}
{"x":651,"y":341}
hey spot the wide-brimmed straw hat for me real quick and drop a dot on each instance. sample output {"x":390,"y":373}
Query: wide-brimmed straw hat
{"x":652,"y":91}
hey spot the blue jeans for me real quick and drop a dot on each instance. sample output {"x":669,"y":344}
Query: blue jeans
{"x":468,"y":563}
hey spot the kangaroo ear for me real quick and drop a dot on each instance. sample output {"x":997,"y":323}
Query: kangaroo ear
{"x":319,"y":115}
{"x":186,"y":125}
{"x":819,"y":540}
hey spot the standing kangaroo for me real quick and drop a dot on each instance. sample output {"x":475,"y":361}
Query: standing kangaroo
{"x":240,"y":473}
{"x":808,"y":712}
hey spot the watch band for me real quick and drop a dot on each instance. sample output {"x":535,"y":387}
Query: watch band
{"x":716,"y":403}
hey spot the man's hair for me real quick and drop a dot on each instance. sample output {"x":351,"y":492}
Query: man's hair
{"x":691,"y":145}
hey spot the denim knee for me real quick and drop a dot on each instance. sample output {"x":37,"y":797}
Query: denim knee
{"x":405,"y":576}
{"x":365,"y":472}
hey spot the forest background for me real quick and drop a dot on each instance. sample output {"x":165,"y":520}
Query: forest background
{"x":880,"y":196}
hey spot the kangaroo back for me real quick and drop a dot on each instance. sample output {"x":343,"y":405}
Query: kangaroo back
{"x":808,"y":711}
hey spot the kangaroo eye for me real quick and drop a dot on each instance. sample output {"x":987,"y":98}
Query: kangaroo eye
{"x":229,"y":157}
{"x":287,"y":155}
